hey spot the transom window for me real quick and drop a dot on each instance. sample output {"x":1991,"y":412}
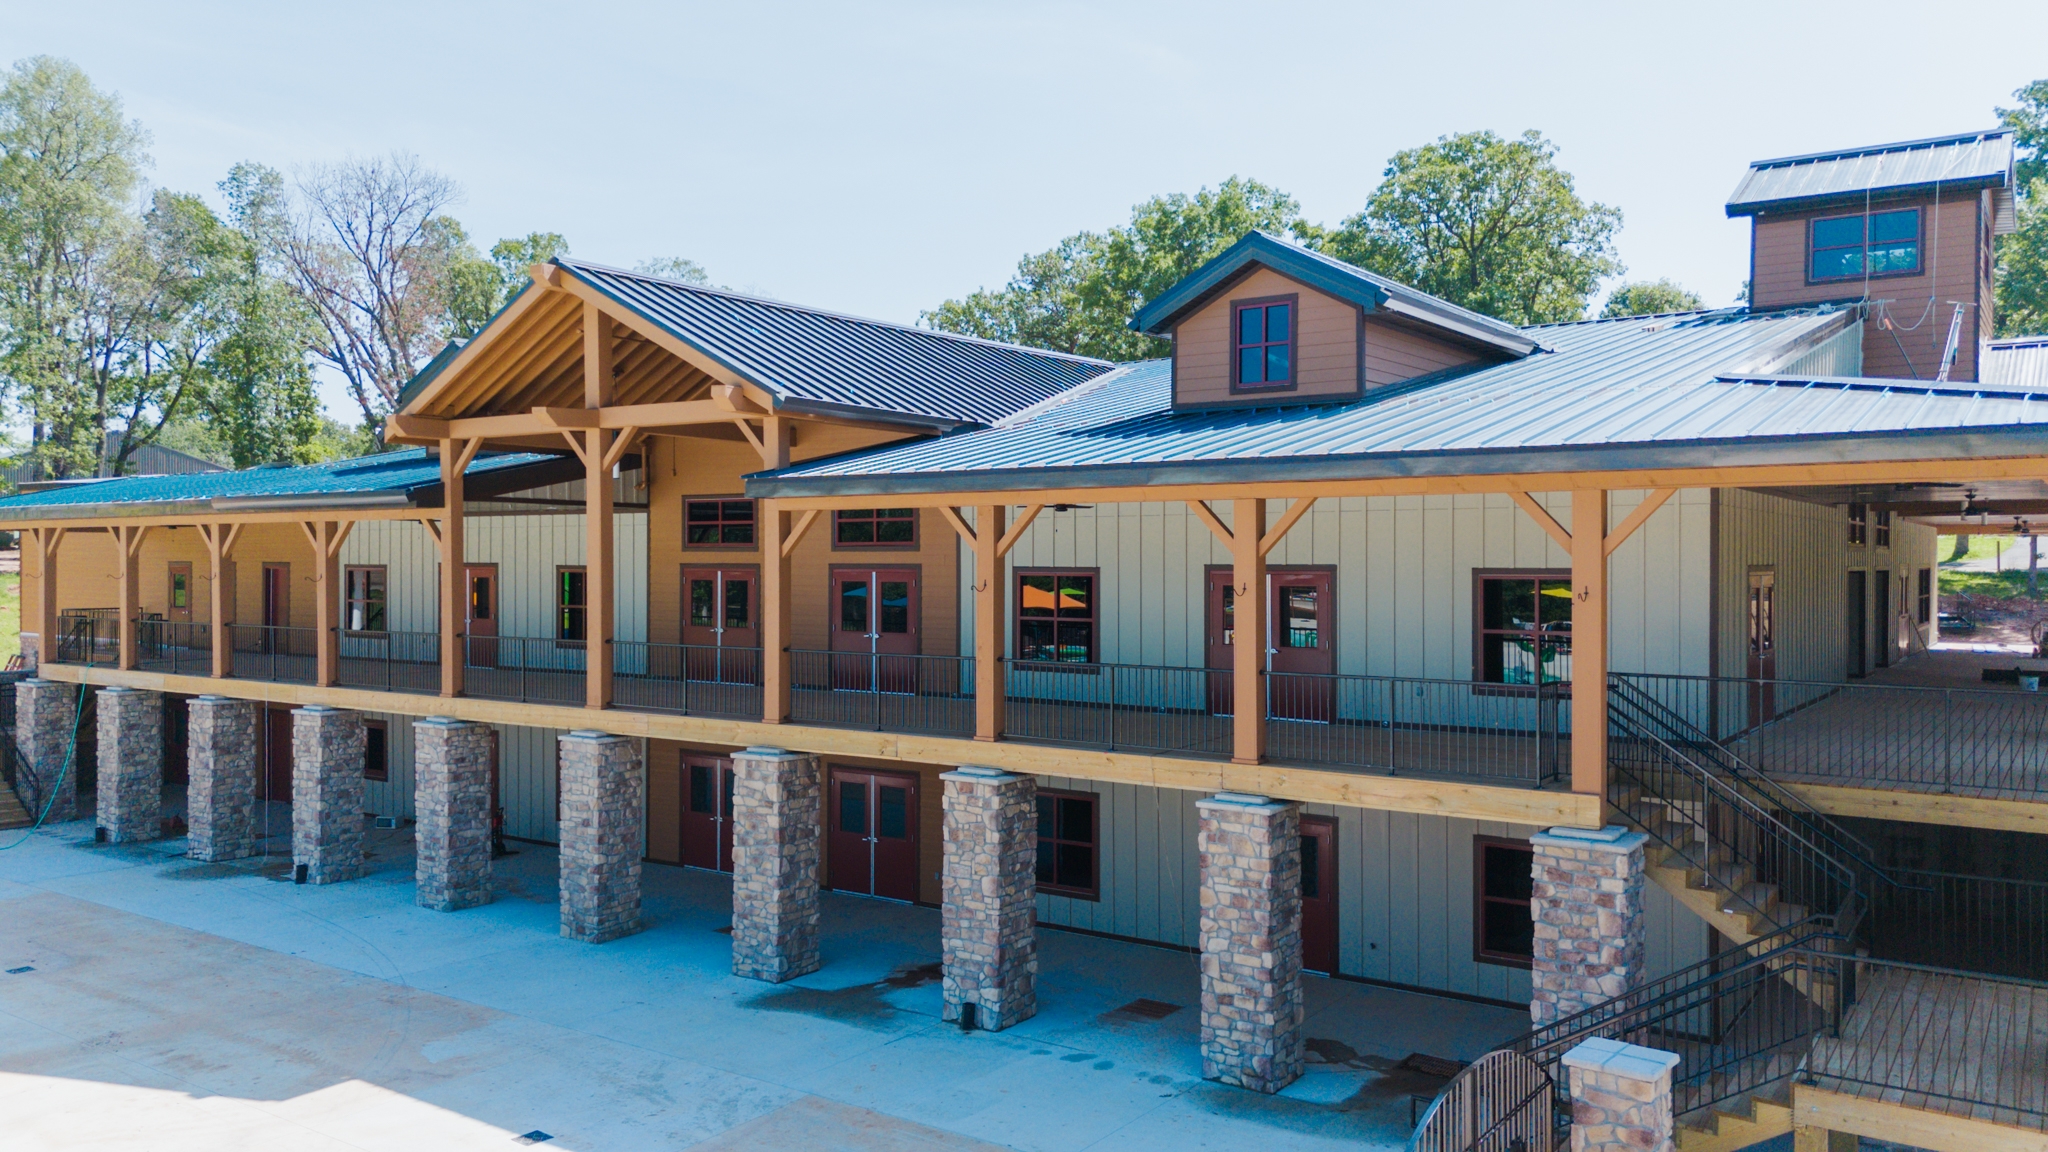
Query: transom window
{"x":718,"y":523}
{"x":1877,"y":244}
{"x":363,"y":609}
{"x":1264,"y":343}
{"x":1525,"y":628}
{"x":572,"y":600}
{"x":1056,"y":617}
{"x":1066,"y":844}
{"x":875,"y":527}
{"x":1504,"y":931}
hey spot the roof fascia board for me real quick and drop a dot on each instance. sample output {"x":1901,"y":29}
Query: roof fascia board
{"x":433,"y":378}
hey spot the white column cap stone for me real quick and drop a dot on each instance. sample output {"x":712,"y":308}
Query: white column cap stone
{"x":1632,"y":1061}
{"x":1613,"y":838}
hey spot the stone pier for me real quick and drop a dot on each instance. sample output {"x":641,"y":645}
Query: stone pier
{"x":602,"y":816}
{"x":452,"y":813}
{"x":1621,"y":1097}
{"x":327,"y":794}
{"x":775,"y":855}
{"x":988,"y":927}
{"x":45,"y":713}
{"x":220,"y":790}
{"x":130,"y":792}
{"x":1588,"y":907}
{"x":1252,"y":1006}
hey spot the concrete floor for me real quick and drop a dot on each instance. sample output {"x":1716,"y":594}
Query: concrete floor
{"x":173,"y":1005}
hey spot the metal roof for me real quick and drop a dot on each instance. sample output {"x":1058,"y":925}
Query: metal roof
{"x":1368,"y":290}
{"x":2020,"y":362}
{"x":829,"y":363}
{"x":409,"y":476}
{"x":1689,"y":390}
{"x":1968,"y":158}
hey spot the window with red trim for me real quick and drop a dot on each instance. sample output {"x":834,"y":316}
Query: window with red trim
{"x":718,"y":523}
{"x":1263,"y":340}
{"x":1067,"y":827}
{"x":875,"y":528}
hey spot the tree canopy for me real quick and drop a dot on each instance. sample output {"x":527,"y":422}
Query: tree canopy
{"x":1649,"y":297}
{"x":2021,"y":279}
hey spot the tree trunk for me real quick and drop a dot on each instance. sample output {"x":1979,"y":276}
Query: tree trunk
{"x":1962,"y":547}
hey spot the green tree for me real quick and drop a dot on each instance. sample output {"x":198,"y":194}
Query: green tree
{"x":260,"y":403}
{"x":1489,"y":223}
{"x":2029,"y":122}
{"x":1649,"y":297}
{"x":1040,"y":307}
{"x":479,"y":286}
{"x":681,"y":269}
{"x":2021,"y":279}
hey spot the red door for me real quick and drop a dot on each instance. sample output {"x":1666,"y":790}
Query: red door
{"x":180,"y":594}
{"x":707,"y":813}
{"x":1218,"y":654}
{"x":480,"y":614}
{"x":1319,"y":894}
{"x":276,"y":783}
{"x":720,"y":624}
{"x":1763,"y":646}
{"x":1302,"y":648}
{"x":277,"y":606}
{"x":874,"y":625}
{"x":873,"y":844}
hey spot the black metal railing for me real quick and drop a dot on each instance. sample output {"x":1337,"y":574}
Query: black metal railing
{"x":175,"y":646}
{"x":1967,"y":741}
{"x":390,"y":661}
{"x":529,"y":669}
{"x":1981,"y":924}
{"x":86,"y":636}
{"x":1501,"y":1102}
{"x":1128,"y":706}
{"x":691,"y":679}
{"x":883,"y":692}
{"x":269,"y":652}
{"x":1495,"y":732}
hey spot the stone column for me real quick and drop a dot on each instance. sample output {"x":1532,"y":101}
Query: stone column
{"x":988,"y":926}
{"x":602,"y":817}
{"x":775,"y":854}
{"x":45,"y":712}
{"x":1252,"y":1007}
{"x":1621,"y":1097}
{"x":451,"y":766}
{"x":220,"y":792}
{"x":327,"y":794}
{"x":131,"y":779}
{"x":1587,"y":901}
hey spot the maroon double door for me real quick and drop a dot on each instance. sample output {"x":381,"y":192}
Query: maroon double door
{"x":1300,"y":639}
{"x":872,"y":843}
{"x":706,"y":830}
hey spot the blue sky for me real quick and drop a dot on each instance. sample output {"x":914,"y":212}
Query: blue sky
{"x":880,"y":158}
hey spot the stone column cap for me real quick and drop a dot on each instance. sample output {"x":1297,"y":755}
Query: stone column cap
{"x":1613,"y":838}
{"x":444,"y":721}
{"x":217,"y":698}
{"x":767,"y":752}
{"x":122,"y":688}
{"x":592,"y":734}
{"x":1242,"y":802}
{"x":976,"y":774}
{"x":318,"y":709}
{"x":1615,"y":1058}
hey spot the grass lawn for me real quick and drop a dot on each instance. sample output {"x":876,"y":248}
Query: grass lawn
{"x":10,"y":615}
{"x":1981,"y":547}
{"x":1998,"y":585}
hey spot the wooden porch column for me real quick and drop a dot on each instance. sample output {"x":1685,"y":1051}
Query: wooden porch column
{"x":455,"y":458}
{"x":991,"y":616}
{"x":598,"y":594}
{"x":220,"y":543}
{"x":326,"y":537}
{"x":127,"y":543}
{"x":775,"y":618}
{"x":42,"y":611}
{"x":1248,"y":621}
{"x":1589,"y":548}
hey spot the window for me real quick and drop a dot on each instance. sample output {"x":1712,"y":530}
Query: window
{"x":1926,"y":612}
{"x":376,"y":751}
{"x":181,"y":588}
{"x":363,"y":600}
{"x":875,"y":528}
{"x":718,"y":523}
{"x":1066,"y":844}
{"x":1884,"y":527}
{"x":1859,"y":522}
{"x":1056,"y":616}
{"x":1525,"y":625}
{"x":1264,"y":342}
{"x":571,"y":598}
{"x":1876,"y":244}
{"x":1503,"y":928}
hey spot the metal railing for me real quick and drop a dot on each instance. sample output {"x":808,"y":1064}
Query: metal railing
{"x":390,"y":661}
{"x":529,"y":669}
{"x":267,"y":652}
{"x":1495,"y":732}
{"x":691,"y":679}
{"x":1972,"y":741}
{"x":1973,"y":923}
{"x":86,"y":635}
{"x":176,"y":646}
{"x":1501,"y":1102}
{"x":1112,"y":706}
{"x":883,"y":692}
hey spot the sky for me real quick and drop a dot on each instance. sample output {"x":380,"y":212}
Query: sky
{"x":880,"y":158}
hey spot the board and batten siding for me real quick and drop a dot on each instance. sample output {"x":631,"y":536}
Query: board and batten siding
{"x":1404,"y":890}
{"x":1403,"y":583}
{"x":526,"y":777}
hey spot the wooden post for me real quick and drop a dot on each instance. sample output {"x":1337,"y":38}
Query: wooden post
{"x":598,"y":593}
{"x":127,"y":542}
{"x":775,"y":617}
{"x":991,"y":616}
{"x":325,"y":536}
{"x":1248,"y":621}
{"x":220,"y":540}
{"x":42,"y":615}
{"x":1589,"y":641}
{"x":455,"y":457}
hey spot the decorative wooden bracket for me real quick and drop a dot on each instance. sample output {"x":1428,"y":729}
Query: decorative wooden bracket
{"x":1614,"y":539}
{"x":1279,"y":531}
{"x":803,"y":525}
{"x":1543,"y":519}
{"x":1208,"y":516}
{"x":1008,"y":540}
{"x":433,"y":528}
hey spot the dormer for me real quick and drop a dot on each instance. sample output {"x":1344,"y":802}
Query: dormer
{"x":1268,"y":322}
{"x":1906,"y":230}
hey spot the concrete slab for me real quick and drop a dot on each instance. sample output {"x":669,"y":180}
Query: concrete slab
{"x":179,"y":1005}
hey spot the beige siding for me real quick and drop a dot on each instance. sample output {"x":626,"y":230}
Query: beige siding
{"x":1326,"y":345}
{"x":1395,"y":354}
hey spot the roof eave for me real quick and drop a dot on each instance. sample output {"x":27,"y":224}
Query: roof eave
{"x":1739,"y":208}
{"x":1158,"y":316}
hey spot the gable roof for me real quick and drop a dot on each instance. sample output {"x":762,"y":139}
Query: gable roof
{"x":826,"y":363}
{"x":1961,"y":161}
{"x":1695,"y":389}
{"x":1368,"y":290}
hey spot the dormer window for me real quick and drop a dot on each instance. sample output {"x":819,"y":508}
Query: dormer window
{"x":1264,"y":343}
{"x":1876,"y":244}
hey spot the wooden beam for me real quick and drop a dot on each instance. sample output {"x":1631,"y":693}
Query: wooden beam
{"x":991,"y":620}
{"x":619,"y":447}
{"x":1637,"y":518}
{"x":734,"y":398}
{"x":1016,"y":531}
{"x":1295,"y":512}
{"x":433,"y":528}
{"x":341,"y":531}
{"x":1588,"y":642}
{"x":1924,"y":807}
{"x":482,"y":344}
{"x":803,"y":525}
{"x":326,"y":600}
{"x":1543,"y":519}
{"x":1208,"y":516}
{"x":575,"y":441}
{"x":1248,"y":624}
{"x":598,"y":345}
{"x":959,"y":526}
{"x":1929,"y":1128}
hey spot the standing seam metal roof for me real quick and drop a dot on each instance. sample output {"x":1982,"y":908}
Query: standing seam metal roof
{"x":1970,"y":157}
{"x":400,"y":472}
{"x":2020,"y":362}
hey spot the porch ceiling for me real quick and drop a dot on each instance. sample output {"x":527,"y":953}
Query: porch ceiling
{"x":1961,"y":505}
